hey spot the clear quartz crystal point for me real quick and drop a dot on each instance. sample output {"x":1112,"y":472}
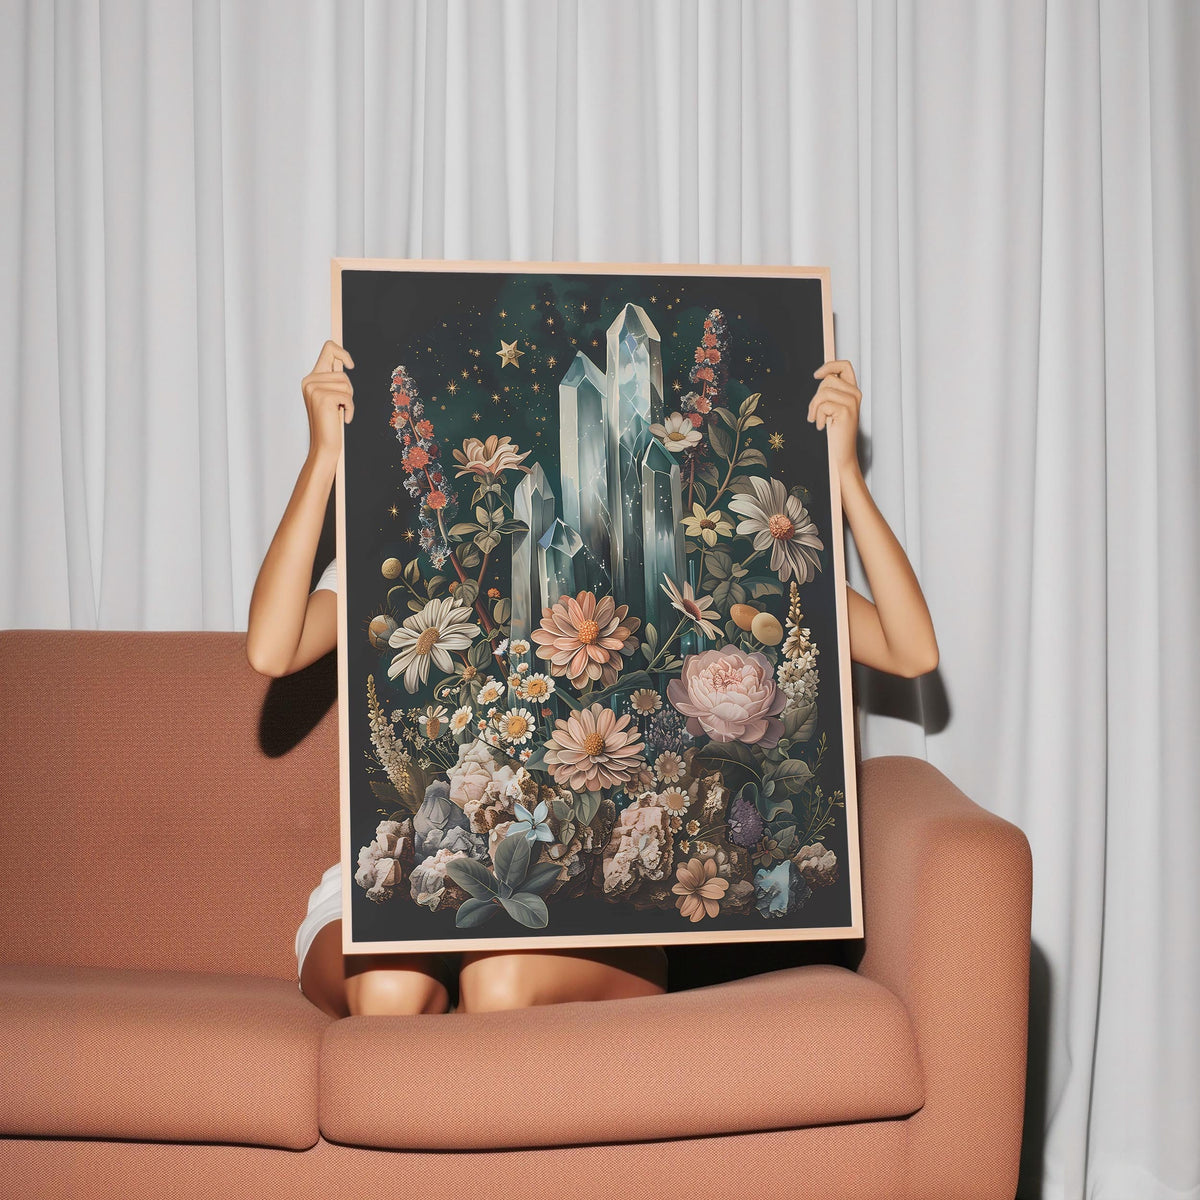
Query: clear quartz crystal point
{"x":561,"y":563}
{"x":533,"y":504}
{"x":662,"y":534}
{"x":583,"y":454}
{"x":633,"y":402}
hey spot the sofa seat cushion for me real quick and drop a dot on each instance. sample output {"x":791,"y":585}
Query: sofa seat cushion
{"x":804,"y":1046}
{"x":158,"y":1055}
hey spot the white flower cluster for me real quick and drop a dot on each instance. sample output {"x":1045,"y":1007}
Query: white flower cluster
{"x":391,"y":757}
{"x":797,"y":674}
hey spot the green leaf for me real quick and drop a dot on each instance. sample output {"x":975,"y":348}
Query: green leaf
{"x":751,"y":422}
{"x":561,"y":809}
{"x":627,"y":683}
{"x":749,"y":404}
{"x":474,"y":878}
{"x":722,"y":443}
{"x":502,"y":611}
{"x":719,"y":563}
{"x":700,"y":493}
{"x":474,"y":912}
{"x":528,"y":909}
{"x":483,"y":516}
{"x":791,"y":774}
{"x":650,"y":636}
{"x":479,"y":655}
{"x":467,"y":592}
{"x":512,"y":527}
{"x":463,"y":529}
{"x":416,"y":605}
{"x":469,"y":557}
{"x":511,"y":860}
{"x":709,"y":474}
{"x":751,"y":458}
{"x":587,"y":805}
{"x":760,"y":589}
{"x":728,"y":756}
{"x":412,"y":571}
{"x":727,"y":417}
{"x":541,"y":877}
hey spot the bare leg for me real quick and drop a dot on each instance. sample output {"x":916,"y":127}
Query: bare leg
{"x":499,"y":979}
{"x":369,"y":984}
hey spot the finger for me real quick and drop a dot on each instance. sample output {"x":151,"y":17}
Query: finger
{"x":831,"y":410}
{"x":838,"y":386}
{"x":348,"y":409}
{"x":332,"y":357}
{"x":327,"y":379}
{"x":837,"y":366}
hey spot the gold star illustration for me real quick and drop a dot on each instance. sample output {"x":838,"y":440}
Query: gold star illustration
{"x":452,"y":387}
{"x":533,"y":308}
{"x":476,"y":417}
{"x":583,"y":307}
{"x":677,"y":386}
{"x":495,"y":397}
{"x":394,"y":511}
{"x":551,"y":361}
{"x":509,"y":353}
{"x":503,"y":314}
{"x":776,"y":440}
{"x":465,"y":374}
{"x":537,"y":387}
{"x":408,"y":535}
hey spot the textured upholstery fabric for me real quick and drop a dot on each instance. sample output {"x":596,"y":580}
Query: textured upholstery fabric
{"x":198,"y":801}
{"x":163,"y":1056}
{"x":806,"y":1046}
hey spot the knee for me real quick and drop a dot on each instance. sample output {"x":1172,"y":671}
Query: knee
{"x":382,"y":992}
{"x":492,"y":985}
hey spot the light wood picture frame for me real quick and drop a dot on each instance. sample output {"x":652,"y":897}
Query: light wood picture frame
{"x":593,"y":655}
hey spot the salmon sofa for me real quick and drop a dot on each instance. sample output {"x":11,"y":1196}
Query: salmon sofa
{"x":166,"y":812}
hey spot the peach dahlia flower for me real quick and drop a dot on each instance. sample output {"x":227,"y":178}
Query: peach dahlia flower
{"x":584,"y":638}
{"x":594,"y":749}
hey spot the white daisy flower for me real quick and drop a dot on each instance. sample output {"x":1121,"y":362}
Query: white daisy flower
{"x":461,"y":719}
{"x":515,"y":726}
{"x":519,"y":647}
{"x":677,"y":433}
{"x":536,"y":687}
{"x":645,"y":701}
{"x":491,"y":692}
{"x":429,"y":636}
{"x":779,"y":522}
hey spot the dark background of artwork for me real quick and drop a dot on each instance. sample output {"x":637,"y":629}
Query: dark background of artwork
{"x":433,"y":323}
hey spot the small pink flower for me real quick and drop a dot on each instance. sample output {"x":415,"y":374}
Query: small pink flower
{"x":729,"y":695}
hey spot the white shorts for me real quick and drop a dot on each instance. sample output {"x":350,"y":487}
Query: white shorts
{"x":324,"y":905}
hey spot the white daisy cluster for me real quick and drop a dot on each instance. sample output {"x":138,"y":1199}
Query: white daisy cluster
{"x":797,"y":674}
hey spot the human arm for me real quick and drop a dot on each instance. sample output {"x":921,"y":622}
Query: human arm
{"x":895,"y":633}
{"x":287,"y":627}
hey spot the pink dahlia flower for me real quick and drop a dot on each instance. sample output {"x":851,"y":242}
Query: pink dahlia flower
{"x":594,"y":749}
{"x":729,"y":695}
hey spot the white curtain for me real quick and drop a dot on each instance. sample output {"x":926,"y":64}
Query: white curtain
{"x":1006,"y":194}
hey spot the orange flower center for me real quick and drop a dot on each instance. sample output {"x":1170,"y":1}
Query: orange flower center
{"x":427,"y":640}
{"x":707,"y":523}
{"x":433,"y":727}
{"x":593,"y":744}
{"x":516,"y":726}
{"x":780,"y":527}
{"x":469,"y":672}
{"x":589,"y":631}
{"x":535,"y":687}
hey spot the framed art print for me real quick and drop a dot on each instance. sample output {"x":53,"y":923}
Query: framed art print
{"x":593,"y":651}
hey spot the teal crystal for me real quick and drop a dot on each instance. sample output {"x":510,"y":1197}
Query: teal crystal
{"x":561,"y":562}
{"x":634,"y":402}
{"x":533,"y":505}
{"x":583,"y":455}
{"x":662,"y":535}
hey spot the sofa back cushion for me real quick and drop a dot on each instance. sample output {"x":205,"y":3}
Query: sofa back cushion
{"x":163,"y":805}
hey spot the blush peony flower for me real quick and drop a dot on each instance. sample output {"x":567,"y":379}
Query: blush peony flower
{"x":729,"y":695}
{"x":594,"y":749}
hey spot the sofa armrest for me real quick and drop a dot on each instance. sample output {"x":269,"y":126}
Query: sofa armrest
{"x":947,"y":892}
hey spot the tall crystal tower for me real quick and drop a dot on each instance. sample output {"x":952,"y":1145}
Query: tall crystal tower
{"x":633,"y":402}
{"x":583,"y":455}
{"x":533,"y":504}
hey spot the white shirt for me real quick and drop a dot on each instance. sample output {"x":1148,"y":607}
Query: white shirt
{"x":328,"y":579}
